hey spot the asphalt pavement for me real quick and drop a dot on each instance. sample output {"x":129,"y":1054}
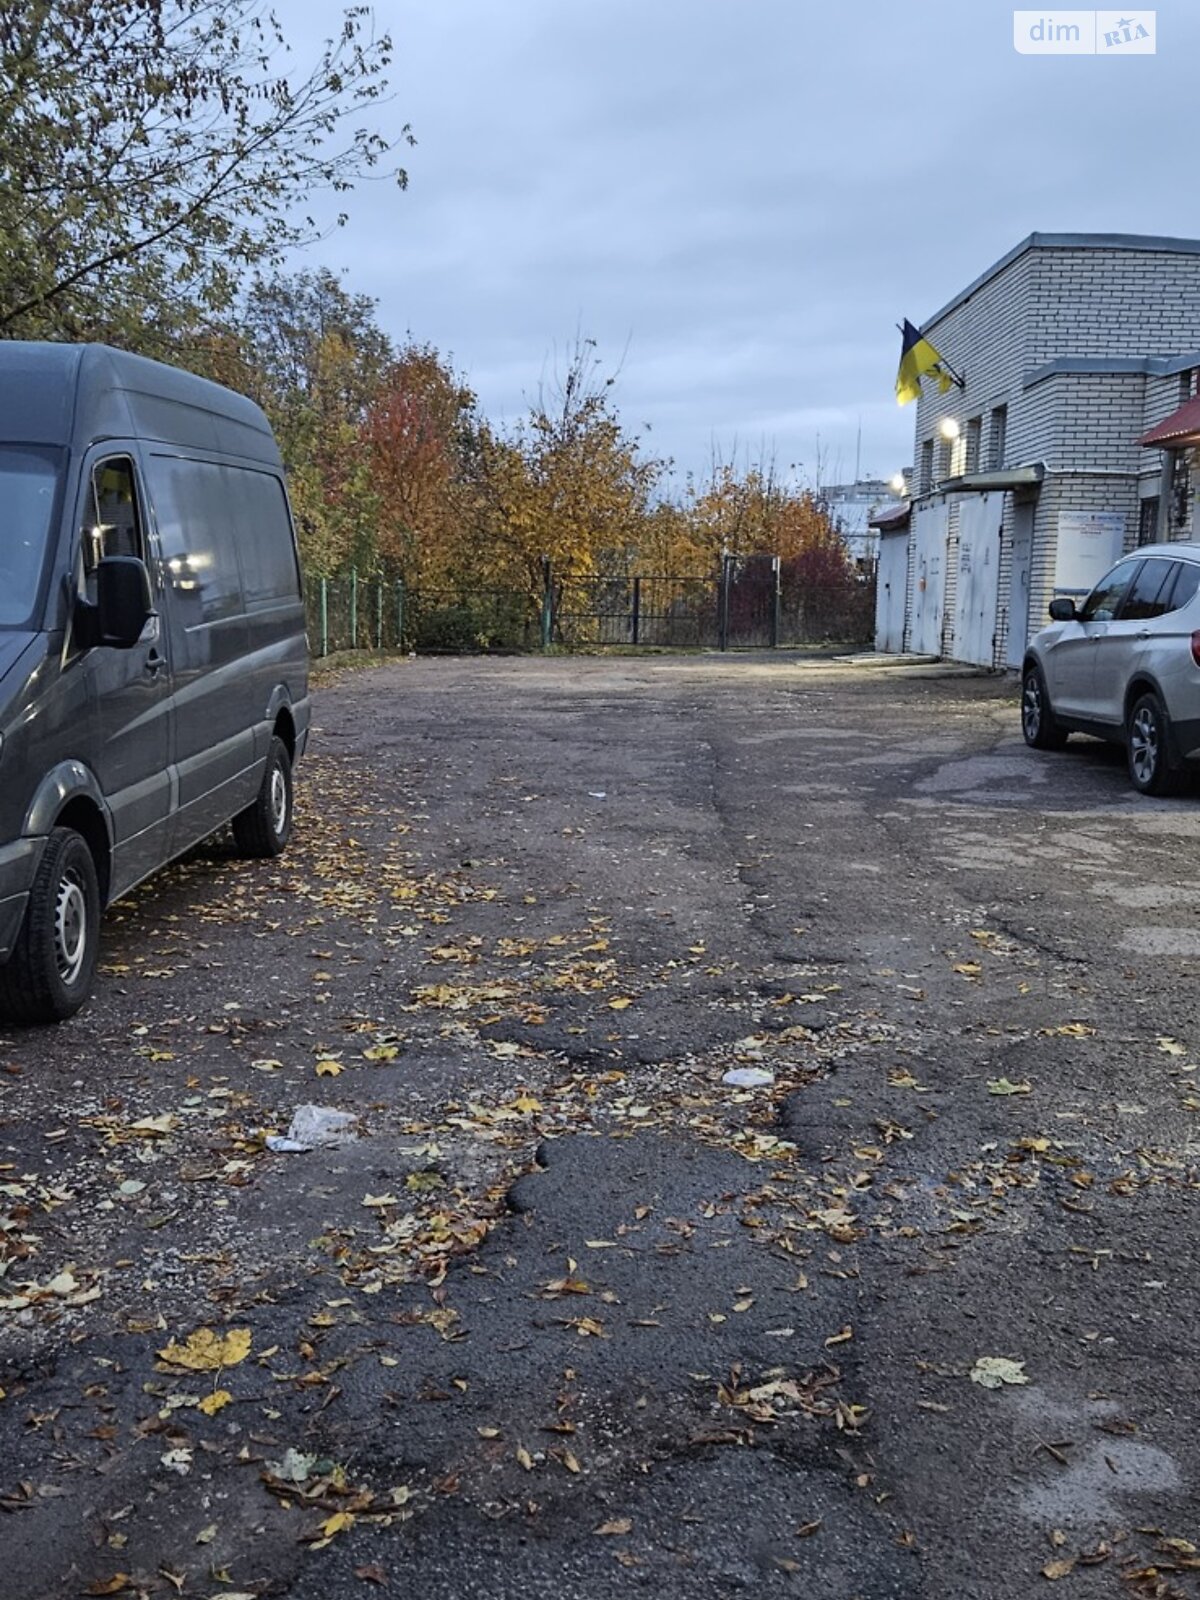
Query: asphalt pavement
{"x":565,"y":1313}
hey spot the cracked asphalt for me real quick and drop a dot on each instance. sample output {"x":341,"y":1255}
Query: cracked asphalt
{"x":567,"y":1314}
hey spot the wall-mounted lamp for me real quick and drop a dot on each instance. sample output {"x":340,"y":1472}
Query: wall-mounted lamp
{"x":949,"y":428}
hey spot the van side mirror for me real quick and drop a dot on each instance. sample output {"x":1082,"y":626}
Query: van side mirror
{"x":1063,"y":610}
{"x":124,"y":603}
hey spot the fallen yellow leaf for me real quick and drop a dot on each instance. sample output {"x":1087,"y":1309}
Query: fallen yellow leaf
{"x":209,"y":1351}
{"x":1058,"y":1569}
{"x":212,"y":1403}
{"x":155,"y":1127}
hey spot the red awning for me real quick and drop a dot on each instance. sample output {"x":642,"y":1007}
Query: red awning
{"x":891,"y":517}
{"x":1180,"y":427}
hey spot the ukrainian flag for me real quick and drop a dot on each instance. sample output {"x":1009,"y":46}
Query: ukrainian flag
{"x":917,"y":358}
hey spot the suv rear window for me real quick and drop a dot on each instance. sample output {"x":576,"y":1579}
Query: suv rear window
{"x":1186,"y":585}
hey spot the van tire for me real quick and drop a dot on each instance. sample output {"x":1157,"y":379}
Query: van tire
{"x":49,"y":974}
{"x":265,"y":827}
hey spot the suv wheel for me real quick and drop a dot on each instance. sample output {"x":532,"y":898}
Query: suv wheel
{"x":1148,"y":745}
{"x":49,"y":974}
{"x":1041,"y":731}
{"x":265,"y":827}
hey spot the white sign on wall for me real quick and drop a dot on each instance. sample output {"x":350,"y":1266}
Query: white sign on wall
{"x":1089,"y":543}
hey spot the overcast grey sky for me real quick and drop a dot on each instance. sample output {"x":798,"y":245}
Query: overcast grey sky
{"x":740,"y":198}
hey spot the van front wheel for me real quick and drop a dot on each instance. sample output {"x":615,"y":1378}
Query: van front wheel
{"x":265,"y":827}
{"x":49,"y":974}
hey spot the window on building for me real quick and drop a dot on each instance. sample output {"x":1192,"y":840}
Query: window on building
{"x":1180,"y":501}
{"x":1187,"y":384}
{"x":945,"y":464}
{"x":974,"y":443}
{"x":926,"y":477}
{"x":1148,"y":521}
{"x":998,"y":440}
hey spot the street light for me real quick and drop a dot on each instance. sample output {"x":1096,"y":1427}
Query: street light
{"x":898,"y":483}
{"x":948,"y":428}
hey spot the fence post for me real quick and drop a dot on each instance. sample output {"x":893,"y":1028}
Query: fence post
{"x":354,"y":608}
{"x":379,"y":613}
{"x":776,"y":599}
{"x":637,"y":608}
{"x":723,"y":603}
{"x":324,"y":616}
{"x":399,"y":613}
{"x":547,"y":603}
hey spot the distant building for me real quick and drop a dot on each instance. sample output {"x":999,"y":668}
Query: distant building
{"x":1032,"y":479}
{"x":851,"y":506}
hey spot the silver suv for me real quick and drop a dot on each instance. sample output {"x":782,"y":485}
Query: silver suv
{"x":1125,"y":666}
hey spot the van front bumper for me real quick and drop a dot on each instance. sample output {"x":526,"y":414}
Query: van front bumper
{"x":18,"y":863}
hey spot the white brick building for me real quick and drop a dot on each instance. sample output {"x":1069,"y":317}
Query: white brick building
{"x":1072,"y":346}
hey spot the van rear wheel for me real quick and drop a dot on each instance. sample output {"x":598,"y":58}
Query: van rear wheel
{"x":265,"y":827}
{"x":49,"y":974}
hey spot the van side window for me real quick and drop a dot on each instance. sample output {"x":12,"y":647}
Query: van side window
{"x":266,"y":548}
{"x":112,"y":523}
{"x":197,"y":536}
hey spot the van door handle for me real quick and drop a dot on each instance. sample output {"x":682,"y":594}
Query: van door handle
{"x":1143,"y":634}
{"x":155,"y":663}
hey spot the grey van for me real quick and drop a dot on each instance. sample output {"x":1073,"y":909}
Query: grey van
{"x":153,"y":659}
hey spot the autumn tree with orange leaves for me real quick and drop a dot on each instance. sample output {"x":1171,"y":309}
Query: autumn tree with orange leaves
{"x":421,"y":431}
{"x":395,"y":471}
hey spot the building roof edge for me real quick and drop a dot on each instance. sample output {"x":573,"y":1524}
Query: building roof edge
{"x":1151,"y":242}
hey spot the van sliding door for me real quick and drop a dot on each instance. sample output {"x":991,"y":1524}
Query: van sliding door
{"x":204,"y":614}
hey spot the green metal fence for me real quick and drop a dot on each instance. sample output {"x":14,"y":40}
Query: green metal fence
{"x":753,"y":602}
{"x":357,"y":613}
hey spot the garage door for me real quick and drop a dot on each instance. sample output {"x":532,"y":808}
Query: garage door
{"x":931,"y":525}
{"x":891,"y":582}
{"x":979,"y":522}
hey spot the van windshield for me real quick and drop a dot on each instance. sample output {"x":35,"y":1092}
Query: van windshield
{"x":29,"y":480}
